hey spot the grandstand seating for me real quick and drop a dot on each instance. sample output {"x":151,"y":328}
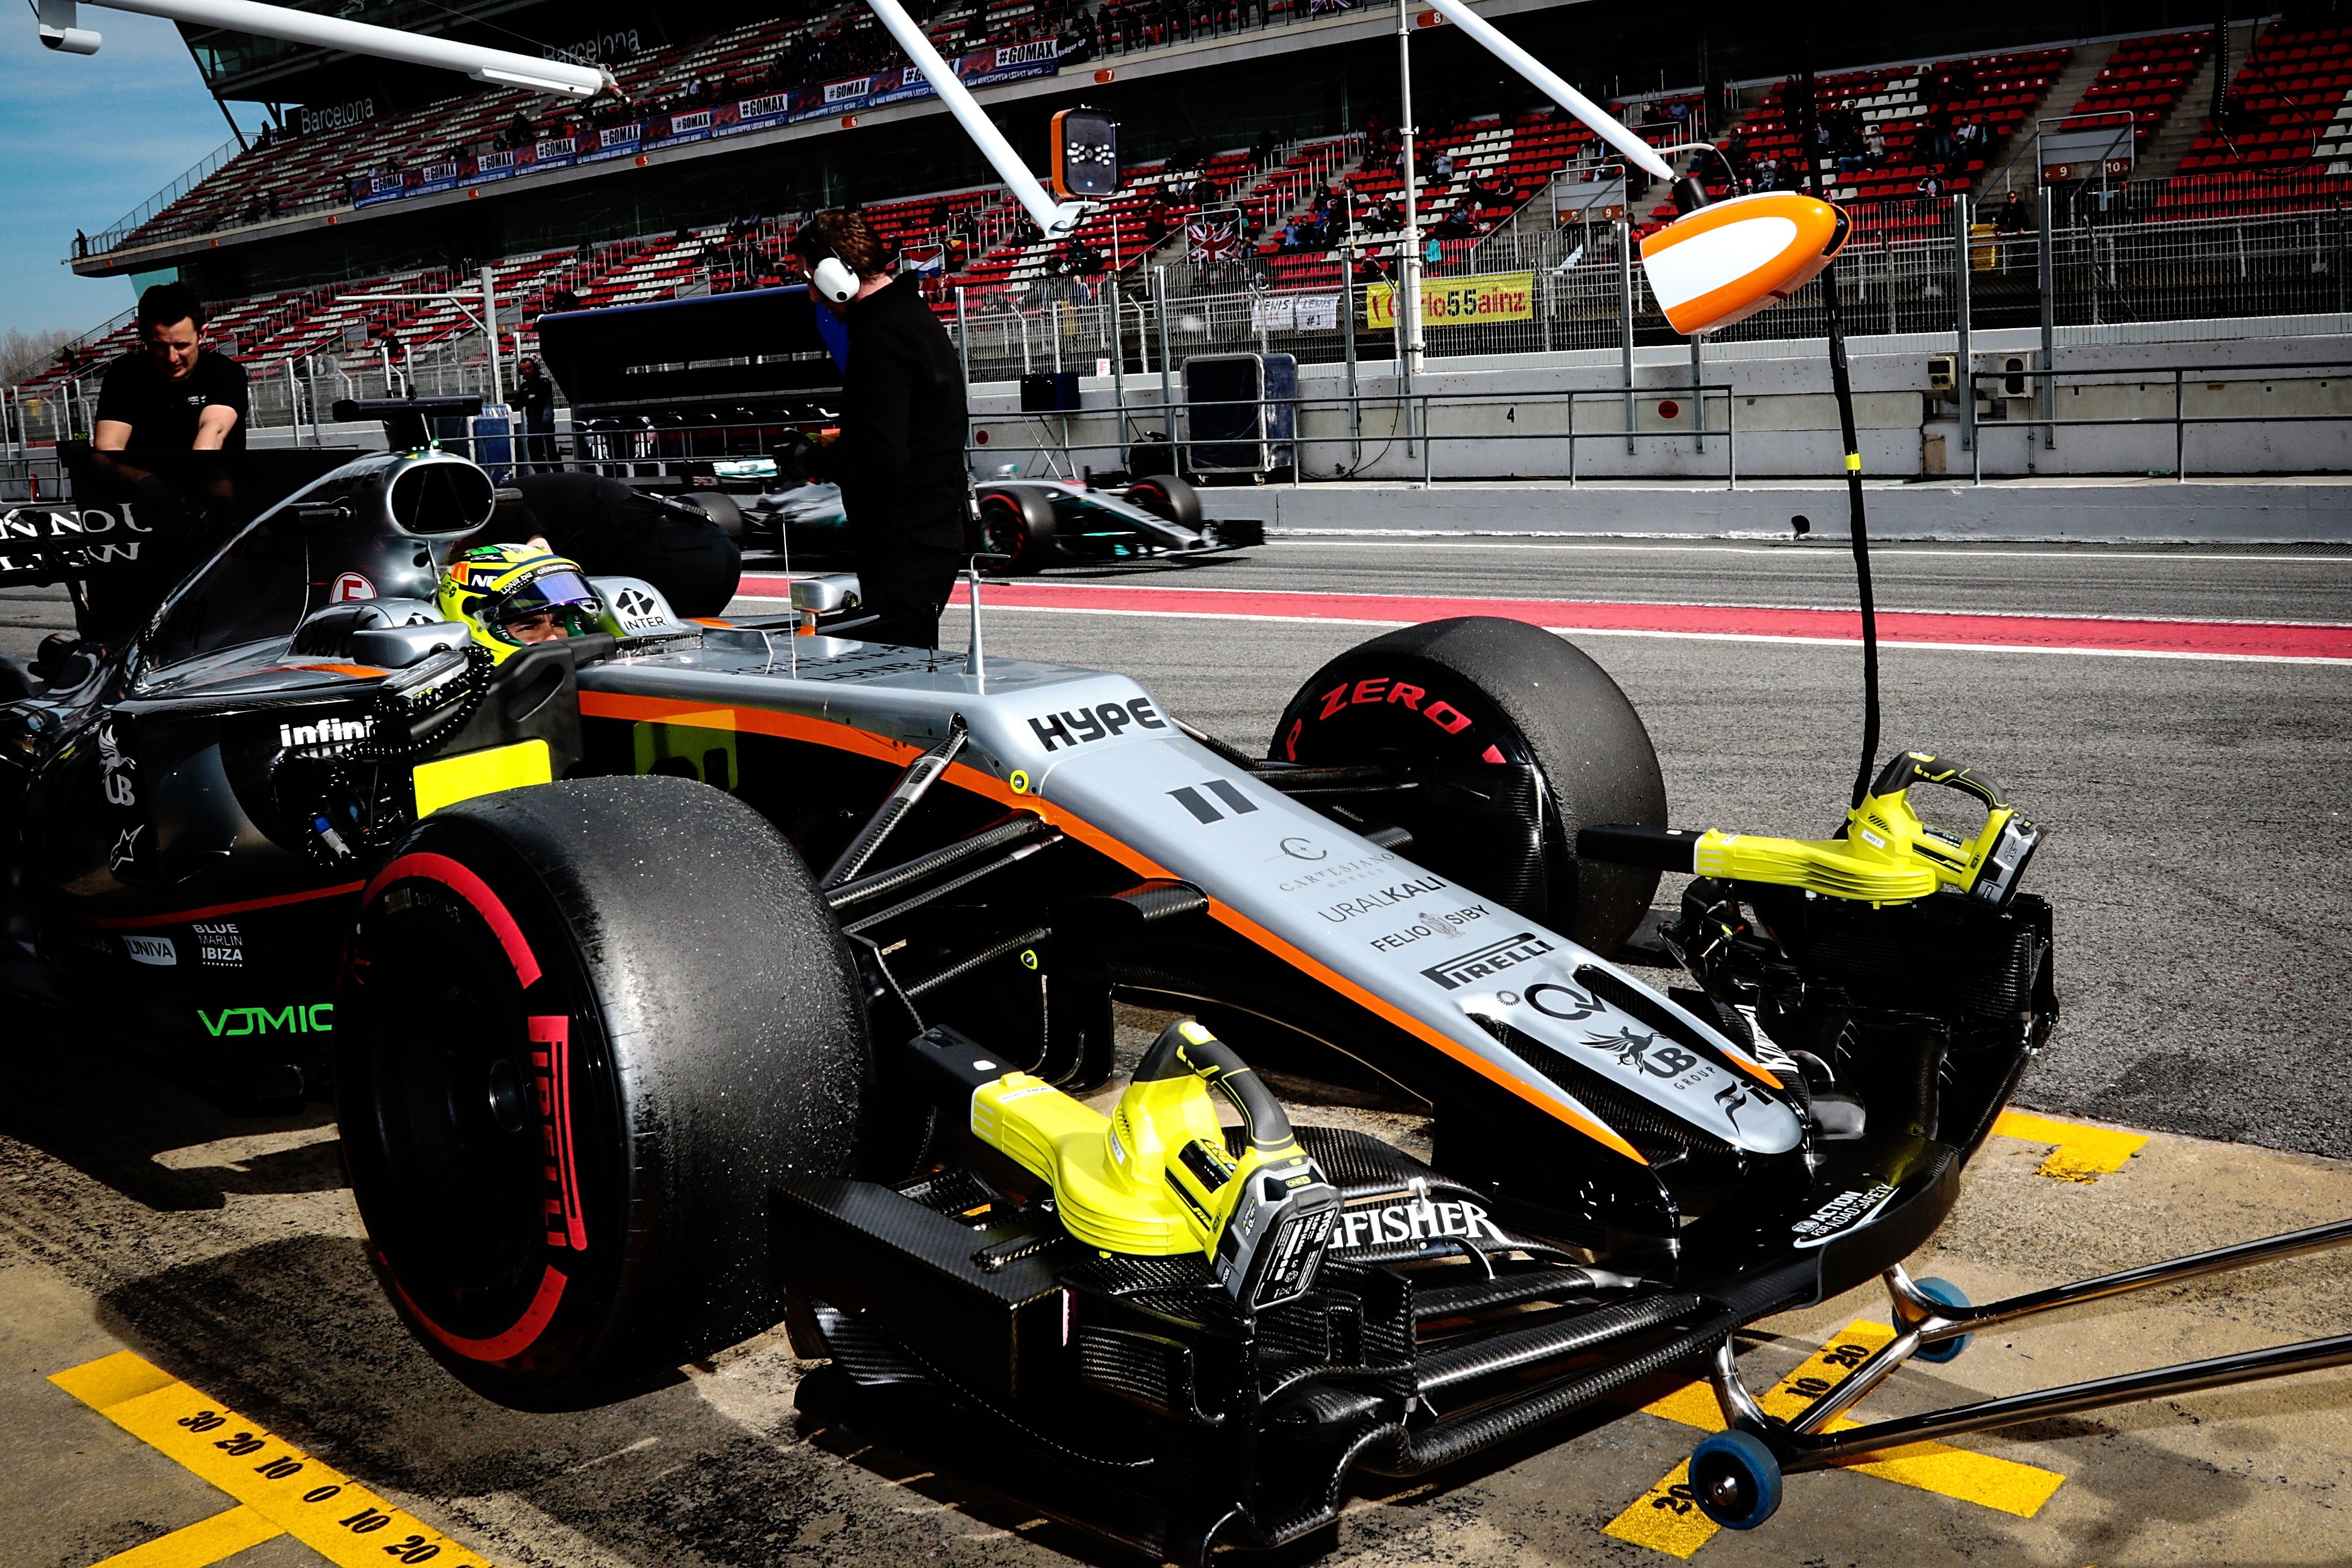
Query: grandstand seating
{"x":1521,"y":154}
{"x":288,"y":174}
{"x":1916,"y":111}
{"x":2139,"y":83}
{"x":2288,"y":144}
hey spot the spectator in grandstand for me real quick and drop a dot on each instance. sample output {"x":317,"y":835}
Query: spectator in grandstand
{"x":899,"y":459}
{"x":1931,"y":184}
{"x":1456,"y":223}
{"x":1441,"y":168}
{"x":170,"y":393}
{"x":1290,"y":237}
{"x":537,"y":394}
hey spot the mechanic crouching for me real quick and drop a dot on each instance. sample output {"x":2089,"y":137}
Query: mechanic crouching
{"x":899,"y":459}
{"x":614,"y":530}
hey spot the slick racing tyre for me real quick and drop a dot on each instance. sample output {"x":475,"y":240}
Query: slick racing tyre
{"x":586,"y":1030}
{"x":1518,"y":740}
{"x":1165,"y":495}
{"x":719,"y":507}
{"x":1016,"y":527}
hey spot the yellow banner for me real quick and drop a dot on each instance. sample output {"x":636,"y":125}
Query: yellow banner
{"x":1458,"y":301}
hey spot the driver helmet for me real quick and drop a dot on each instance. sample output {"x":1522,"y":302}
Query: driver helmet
{"x":510,"y":596}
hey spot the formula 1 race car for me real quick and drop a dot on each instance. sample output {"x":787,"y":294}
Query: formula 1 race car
{"x":1029,"y":524}
{"x":678,"y":979}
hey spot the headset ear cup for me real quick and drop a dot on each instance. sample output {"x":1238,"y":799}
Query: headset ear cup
{"x":835,"y":280}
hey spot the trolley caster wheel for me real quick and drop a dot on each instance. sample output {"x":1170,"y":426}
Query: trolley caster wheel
{"x":1950,"y":1295}
{"x":1736,"y":1480}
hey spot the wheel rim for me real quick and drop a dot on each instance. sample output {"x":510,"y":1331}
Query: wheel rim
{"x":1003,"y":533}
{"x":1725,"y":1488}
{"x":479,"y":1120}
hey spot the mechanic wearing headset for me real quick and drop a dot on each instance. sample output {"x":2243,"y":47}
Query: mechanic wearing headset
{"x":617,"y":531}
{"x":899,"y":459}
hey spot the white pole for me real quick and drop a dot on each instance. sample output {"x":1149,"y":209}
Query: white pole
{"x":500,"y":66}
{"x":1408,"y":314}
{"x":1558,"y":92}
{"x":968,"y":113}
{"x":490,"y":331}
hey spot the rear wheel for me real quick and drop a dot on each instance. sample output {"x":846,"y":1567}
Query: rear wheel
{"x":1016,"y":527}
{"x":719,"y":507}
{"x":586,"y":1028}
{"x":1521,"y":740}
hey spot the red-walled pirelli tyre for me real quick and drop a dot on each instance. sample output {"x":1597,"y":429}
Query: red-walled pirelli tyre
{"x":1016,"y":530}
{"x":1165,"y":496}
{"x":587,"y":1028}
{"x":1460,"y":694}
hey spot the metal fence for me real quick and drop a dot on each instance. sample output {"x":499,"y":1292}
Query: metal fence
{"x":1901,"y":273}
{"x":294,"y":395}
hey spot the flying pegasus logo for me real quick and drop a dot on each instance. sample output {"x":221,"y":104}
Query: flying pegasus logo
{"x":1641,"y":1053}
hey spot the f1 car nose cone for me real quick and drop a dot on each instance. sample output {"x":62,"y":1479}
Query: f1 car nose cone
{"x":506,"y":1096}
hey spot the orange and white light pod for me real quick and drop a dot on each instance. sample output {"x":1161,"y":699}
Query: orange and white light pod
{"x":1724,"y":263}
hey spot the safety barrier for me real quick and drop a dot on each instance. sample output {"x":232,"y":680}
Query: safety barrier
{"x":2209,"y":379}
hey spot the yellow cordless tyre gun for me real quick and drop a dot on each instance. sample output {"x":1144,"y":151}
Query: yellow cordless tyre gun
{"x":1154,"y":1178}
{"x":1887,"y":855}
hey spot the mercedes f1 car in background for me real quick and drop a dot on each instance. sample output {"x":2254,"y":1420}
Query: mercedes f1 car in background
{"x":1026,"y":525}
{"x":677,"y":981}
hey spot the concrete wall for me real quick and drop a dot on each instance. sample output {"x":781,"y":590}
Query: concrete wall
{"x":1782,"y":419}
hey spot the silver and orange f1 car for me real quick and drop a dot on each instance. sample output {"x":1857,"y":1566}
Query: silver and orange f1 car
{"x":682,"y":979}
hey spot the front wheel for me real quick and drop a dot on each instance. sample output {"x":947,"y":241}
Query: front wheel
{"x":1516,"y":739}
{"x":588,"y":1028}
{"x":1016,"y":531}
{"x":1166,"y":496}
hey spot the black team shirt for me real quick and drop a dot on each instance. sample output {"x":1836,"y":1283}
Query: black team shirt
{"x":162,"y":413}
{"x":900,"y":457}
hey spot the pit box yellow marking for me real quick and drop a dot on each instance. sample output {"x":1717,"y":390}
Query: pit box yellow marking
{"x":1666,"y":1518}
{"x":2079,"y":1153}
{"x":295,"y":1494}
{"x":200,"y":1544}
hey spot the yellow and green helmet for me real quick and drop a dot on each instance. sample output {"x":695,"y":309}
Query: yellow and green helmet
{"x":491,"y":587}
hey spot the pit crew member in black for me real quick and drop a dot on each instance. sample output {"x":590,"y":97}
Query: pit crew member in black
{"x":614,"y":530}
{"x":170,"y":393}
{"x":899,"y":459}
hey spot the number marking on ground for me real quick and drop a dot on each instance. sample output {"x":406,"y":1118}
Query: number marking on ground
{"x":1666,"y":1518}
{"x":290,"y":1492}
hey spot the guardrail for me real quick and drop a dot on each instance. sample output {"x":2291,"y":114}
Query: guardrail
{"x":1415,"y":429}
{"x":2180,"y":419}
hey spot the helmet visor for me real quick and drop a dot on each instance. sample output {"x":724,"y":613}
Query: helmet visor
{"x":553,"y":590}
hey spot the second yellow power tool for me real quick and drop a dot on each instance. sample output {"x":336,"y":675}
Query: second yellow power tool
{"x":1888,"y":855}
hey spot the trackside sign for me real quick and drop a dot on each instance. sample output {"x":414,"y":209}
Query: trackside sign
{"x":1458,"y":301}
